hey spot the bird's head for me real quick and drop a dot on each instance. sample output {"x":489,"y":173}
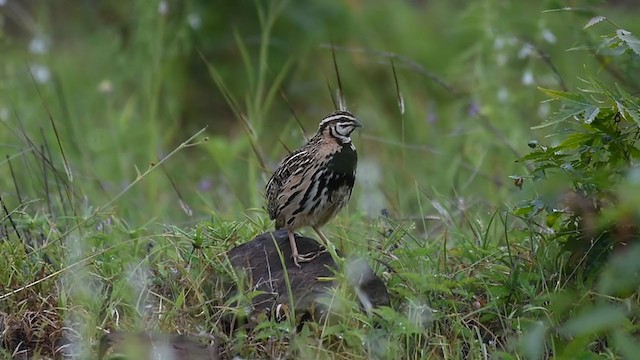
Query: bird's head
{"x":339,"y":125}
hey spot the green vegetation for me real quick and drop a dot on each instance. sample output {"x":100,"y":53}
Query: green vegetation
{"x":498,"y":184}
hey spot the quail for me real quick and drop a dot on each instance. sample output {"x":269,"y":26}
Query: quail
{"x":313,"y":183}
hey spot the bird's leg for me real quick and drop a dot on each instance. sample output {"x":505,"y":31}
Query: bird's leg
{"x":294,"y":247}
{"x":323,"y":239}
{"x":325,"y":243}
{"x":297,"y":258}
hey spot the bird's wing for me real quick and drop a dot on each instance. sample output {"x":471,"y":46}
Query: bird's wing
{"x":289,"y":168}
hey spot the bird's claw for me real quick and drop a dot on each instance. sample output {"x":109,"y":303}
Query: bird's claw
{"x":300,"y":258}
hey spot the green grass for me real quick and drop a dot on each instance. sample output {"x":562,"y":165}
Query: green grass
{"x":119,"y":218}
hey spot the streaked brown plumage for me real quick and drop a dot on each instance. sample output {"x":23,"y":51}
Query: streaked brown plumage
{"x":313,"y":183}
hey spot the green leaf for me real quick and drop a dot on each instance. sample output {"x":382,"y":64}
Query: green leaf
{"x":575,"y":140}
{"x":552,"y":218}
{"x":577,"y":349}
{"x":626,"y":344}
{"x":531,"y":209}
{"x":581,"y":11}
{"x":524,"y":211}
{"x":629,"y":107}
{"x":534,"y":156}
{"x":557,"y":117}
{"x":594,"y":320}
{"x":629,"y":39}
{"x":594,"y":20}
{"x":573,"y":105}
{"x":180,"y":300}
{"x":533,"y":341}
{"x":591,"y":114}
{"x":620,"y":276}
{"x":563,"y":95}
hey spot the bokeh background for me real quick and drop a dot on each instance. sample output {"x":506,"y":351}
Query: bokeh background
{"x":127,"y":82}
{"x":126,"y":125}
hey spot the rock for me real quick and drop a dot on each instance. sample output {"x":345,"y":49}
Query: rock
{"x":263,"y":265}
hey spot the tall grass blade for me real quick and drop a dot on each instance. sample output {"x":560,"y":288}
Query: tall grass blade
{"x":65,"y":163}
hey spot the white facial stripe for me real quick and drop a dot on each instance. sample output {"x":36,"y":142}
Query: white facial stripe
{"x":343,"y":138}
{"x":335,"y":117}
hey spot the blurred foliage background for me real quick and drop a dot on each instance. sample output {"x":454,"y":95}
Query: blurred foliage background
{"x":95,"y":93}
{"x":127,"y":82}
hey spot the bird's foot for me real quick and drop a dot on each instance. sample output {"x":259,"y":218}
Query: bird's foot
{"x":302,"y":258}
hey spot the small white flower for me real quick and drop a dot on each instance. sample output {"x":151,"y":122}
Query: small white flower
{"x":194,"y":20}
{"x":548,"y":36}
{"x":501,"y":59}
{"x":543,"y":110}
{"x":163,"y":7}
{"x":40,"y":73}
{"x":503,"y":94}
{"x":40,"y":44}
{"x":527,"y":77}
{"x":634,"y":176}
{"x":105,"y":86}
{"x":525,"y":51}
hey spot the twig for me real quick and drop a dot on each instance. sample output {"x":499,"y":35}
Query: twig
{"x":8,"y":216}
{"x":341,"y":102}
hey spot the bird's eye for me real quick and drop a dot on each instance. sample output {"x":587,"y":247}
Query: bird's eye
{"x":343,"y":129}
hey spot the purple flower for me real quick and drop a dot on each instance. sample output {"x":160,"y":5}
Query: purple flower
{"x":474,"y":109}
{"x":205,"y":184}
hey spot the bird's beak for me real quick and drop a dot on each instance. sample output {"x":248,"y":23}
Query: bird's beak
{"x":358,"y":124}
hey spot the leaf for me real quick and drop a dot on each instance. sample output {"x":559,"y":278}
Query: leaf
{"x":626,"y":344}
{"x":552,"y":218}
{"x":634,"y":153}
{"x":630,"y":107}
{"x":620,"y":276}
{"x":524,"y":211}
{"x":581,"y":11}
{"x":580,"y":48}
{"x":594,"y":320}
{"x":591,"y":114}
{"x":629,"y":39}
{"x":555,"y":120}
{"x":531,"y":209}
{"x":180,"y":300}
{"x":574,"y":141}
{"x":621,"y":108}
{"x":573,"y":105}
{"x":594,"y":20}
{"x":536,"y":155}
{"x":533,"y":341}
{"x":563,"y":95}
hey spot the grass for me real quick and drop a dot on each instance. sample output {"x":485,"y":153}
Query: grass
{"x":117,"y":211}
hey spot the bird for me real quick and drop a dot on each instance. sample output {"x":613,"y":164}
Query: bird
{"x":313,"y":183}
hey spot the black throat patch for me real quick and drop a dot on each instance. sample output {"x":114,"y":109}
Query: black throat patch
{"x":344,"y":161}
